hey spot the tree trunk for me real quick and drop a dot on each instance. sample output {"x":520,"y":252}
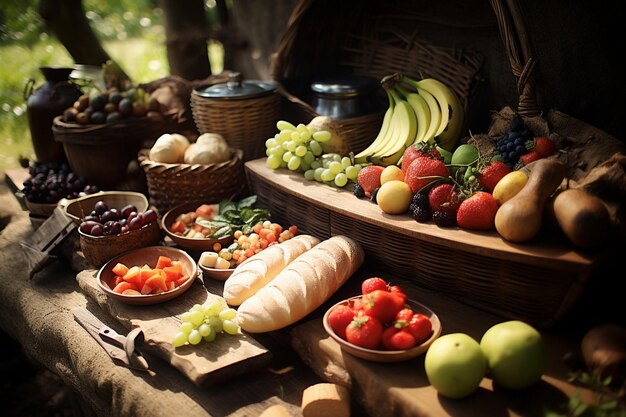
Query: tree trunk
{"x":186,"y":32}
{"x":67,"y":20}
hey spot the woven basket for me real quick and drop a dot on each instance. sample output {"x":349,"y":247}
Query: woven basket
{"x":101,"y":153}
{"x":170,"y":185}
{"x":245,"y":123}
{"x":527,"y":283}
{"x":365,"y":42}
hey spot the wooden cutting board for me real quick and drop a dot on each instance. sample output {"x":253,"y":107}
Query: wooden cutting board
{"x":204,"y":364}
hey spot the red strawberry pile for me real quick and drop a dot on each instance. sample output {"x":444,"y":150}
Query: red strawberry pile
{"x":380,"y":319}
{"x":452,"y":194}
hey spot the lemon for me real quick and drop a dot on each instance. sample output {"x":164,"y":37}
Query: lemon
{"x":394,"y":197}
{"x":390,"y":173}
{"x":509,"y":186}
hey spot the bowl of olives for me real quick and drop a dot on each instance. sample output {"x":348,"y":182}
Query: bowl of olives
{"x":109,"y":231}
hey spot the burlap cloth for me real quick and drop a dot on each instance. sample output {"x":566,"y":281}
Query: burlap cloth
{"x":37,"y":314}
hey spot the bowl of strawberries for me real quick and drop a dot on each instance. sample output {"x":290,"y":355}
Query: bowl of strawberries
{"x":382,"y":324}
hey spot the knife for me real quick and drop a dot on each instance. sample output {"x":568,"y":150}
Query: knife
{"x":122,"y":349}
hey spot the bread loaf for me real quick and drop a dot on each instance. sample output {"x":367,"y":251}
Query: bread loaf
{"x":326,"y":400}
{"x":256,"y":271}
{"x":302,"y":286}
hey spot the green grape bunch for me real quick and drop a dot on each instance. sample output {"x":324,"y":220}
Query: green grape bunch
{"x":205,"y":322}
{"x":299,"y":148}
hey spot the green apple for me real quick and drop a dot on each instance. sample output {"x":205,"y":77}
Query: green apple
{"x":455,"y":365}
{"x":515,"y":354}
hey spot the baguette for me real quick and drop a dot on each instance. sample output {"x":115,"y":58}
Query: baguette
{"x":256,"y":271}
{"x":304,"y":285}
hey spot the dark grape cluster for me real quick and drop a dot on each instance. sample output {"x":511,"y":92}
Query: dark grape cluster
{"x":513,"y":143}
{"x":52,"y":181}
{"x":105,"y":221}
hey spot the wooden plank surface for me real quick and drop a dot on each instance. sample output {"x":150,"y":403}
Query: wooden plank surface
{"x":402,"y":389}
{"x":206,"y":364}
{"x":553,"y":253}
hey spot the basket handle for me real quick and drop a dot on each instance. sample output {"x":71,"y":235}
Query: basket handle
{"x":278,"y":58}
{"x":517,"y":46}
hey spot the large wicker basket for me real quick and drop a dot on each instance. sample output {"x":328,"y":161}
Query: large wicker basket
{"x":537,"y":284}
{"x":363,"y":42}
{"x":170,"y":185}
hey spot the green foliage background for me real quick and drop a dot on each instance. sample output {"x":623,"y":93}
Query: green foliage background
{"x":131,"y":32}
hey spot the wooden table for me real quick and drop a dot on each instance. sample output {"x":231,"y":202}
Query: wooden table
{"x":37,"y":314}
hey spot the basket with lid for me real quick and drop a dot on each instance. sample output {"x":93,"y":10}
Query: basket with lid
{"x":245,"y":112}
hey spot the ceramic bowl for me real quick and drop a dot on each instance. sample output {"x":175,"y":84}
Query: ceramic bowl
{"x":148,"y":255}
{"x":386,"y":355}
{"x":188,"y":243}
{"x":216,"y":273}
{"x":78,"y":208}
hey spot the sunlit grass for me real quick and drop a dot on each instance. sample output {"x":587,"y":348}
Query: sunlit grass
{"x":143,"y":59}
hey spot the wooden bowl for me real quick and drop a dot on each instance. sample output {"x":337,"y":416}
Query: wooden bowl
{"x":216,"y":273}
{"x":386,"y":355}
{"x":78,"y":208}
{"x":100,"y":249}
{"x":187,"y":243}
{"x":147,"y":255}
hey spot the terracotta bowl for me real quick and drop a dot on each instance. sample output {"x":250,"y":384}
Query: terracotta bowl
{"x":100,"y":249}
{"x":387,"y":355}
{"x":188,"y":243}
{"x":78,"y":208}
{"x":148,"y":255}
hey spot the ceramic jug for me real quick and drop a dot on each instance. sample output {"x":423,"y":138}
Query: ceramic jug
{"x":43,"y":104}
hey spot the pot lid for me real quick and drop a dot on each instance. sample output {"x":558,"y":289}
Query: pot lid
{"x":236,"y":88}
{"x":345,"y":86}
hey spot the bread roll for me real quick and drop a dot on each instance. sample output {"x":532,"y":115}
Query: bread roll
{"x":256,"y":271}
{"x":304,"y":285}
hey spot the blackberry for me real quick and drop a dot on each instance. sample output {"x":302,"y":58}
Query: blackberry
{"x":358,"y":191}
{"x":374,"y":194}
{"x":517,"y":123}
{"x":420,"y":200}
{"x":444,"y":218}
{"x":421,"y":214}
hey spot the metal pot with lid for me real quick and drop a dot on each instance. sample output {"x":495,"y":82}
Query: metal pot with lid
{"x":244,"y":112}
{"x":344,"y":97}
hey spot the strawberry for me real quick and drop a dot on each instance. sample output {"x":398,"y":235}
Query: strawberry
{"x":399,"y":291}
{"x":442,"y":197}
{"x":423,"y":171}
{"x":403,"y":317}
{"x":371,"y":284}
{"x":339,"y":318}
{"x":477,"y":212}
{"x":369,"y":178}
{"x":545,"y":147}
{"x":418,"y":151}
{"x":420,"y":327}
{"x":529,"y":157}
{"x":383,"y":305}
{"x":492,"y":173}
{"x":365,"y":331}
{"x":397,"y":339}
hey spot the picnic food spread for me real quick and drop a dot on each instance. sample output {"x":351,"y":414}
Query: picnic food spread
{"x":283,"y":236}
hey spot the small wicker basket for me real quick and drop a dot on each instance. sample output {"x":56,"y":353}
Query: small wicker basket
{"x":245,"y":119}
{"x":101,"y":153}
{"x":170,"y":185}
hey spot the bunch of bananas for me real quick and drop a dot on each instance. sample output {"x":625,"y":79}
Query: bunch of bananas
{"x":419,"y":111}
